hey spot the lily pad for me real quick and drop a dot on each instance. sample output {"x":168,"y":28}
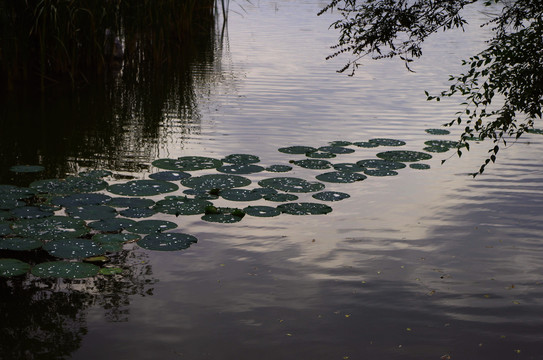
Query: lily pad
{"x":304,"y":208}
{"x":109,"y":271}
{"x":13,"y":267}
{"x":8,"y":202}
{"x":53,"y":227}
{"x":380,"y":164}
{"x":313,"y":163}
{"x":223,"y":215}
{"x":111,"y":225}
{"x":340,"y":143}
{"x":151,"y":226}
{"x":201,"y":194}
{"x":380,"y":172}
{"x":440,"y":145}
{"x":320,"y":155}
{"x":366,"y":144}
{"x":65,"y":269}
{"x":167,"y":241}
{"x":240,"y":195}
{"x":16,"y":192}
{"x":137,"y":212}
{"x":169,"y":175}
{"x":5,"y":228}
{"x":70,"y":185}
{"x":336,"y":149}
{"x":142,"y":188}
{"x":73,"y":248}
{"x":215,"y":181}
{"x":280,"y":197}
{"x":182,"y":206}
{"x":535,"y":131}
{"x":91,"y":212}
{"x":291,"y":184}
{"x":331,"y":196}
{"x":26,"y":168}
{"x":419,"y":166}
{"x":261,"y":211}
{"x":80,"y":199}
{"x":20,"y":244}
{"x":279,"y":168}
{"x":239,"y":159}
{"x":240,"y":169}
{"x":30,"y":212}
{"x":348,"y":167}
{"x":387,"y":142}
{"x":130,"y":202}
{"x":114,"y":242}
{"x":341,"y":177}
{"x":297,"y":149}
{"x":188,"y":163}
{"x":437,"y":131}
{"x":404,"y":156}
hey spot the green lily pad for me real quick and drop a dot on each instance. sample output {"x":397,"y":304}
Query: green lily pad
{"x":151,"y":226}
{"x":341,"y":177}
{"x":261,"y":211}
{"x":380,"y":172}
{"x":8,"y":202}
{"x":313,"y":163}
{"x":336,"y":149}
{"x":65,"y":269}
{"x":91,"y":212}
{"x":279,"y":168}
{"x":20,"y":244}
{"x":16,"y":192}
{"x":4,"y":215}
{"x":379,"y":164}
{"x":440,"y":145}
{"x":70,"y":185}
{"x":169,"y":175}
{"x":320,"y":155}
{"x":348,"y":167}
{"x":137,"y":212}
{"x":143,"y":188}
{"x":167,"y":241}
{"x":239,"y":159}
{"x":297,"y":149}
{"x":130,"y":202}
{"x":240,"y":195}
{"x":114,"y":242}
{"x":188,"y":163}
{"x":331,"y":196}
{"x":13,"y":267}
{"x":366,"y":144}
{"x":436,"y":149}
{"x":280,"y":197}
{"x":535,"y":131}
{"x":73,"y":248}
{"x":182,"y":206}
{"x":419,"y":166}
{"x":26,"y":168}
{"x":291,"y":184}
{"x":53,"y":227}
{"x":30,"y":212}
{"x":95,"y":173}
{"x":340,"y":143}
{"x":201,"y":194}
{"x":215,"y":181}
{"x":387,"y":142}
{"x":111,"y":225}
{"x":404,"y":156}
{"x":437,"y":131}
{"x":223,"y":215}
{"x":80,"y":199}
{"x":5,"y":228}
{"x":109,"y":271}
{"x":240,"y":169}
{"x":304,"y":208}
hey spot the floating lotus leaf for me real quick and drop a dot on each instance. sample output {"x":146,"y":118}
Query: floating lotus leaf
{"x":223,"y":215}
{"x":95,"y":173}
{"x":201,"y":194}
{"x":291,"y":184}
{"x":265,"y":191}
{"x":535,"y":131}
{"x":70,"y":185}
{"x":143,"y":188}
{"x":279,"y":168}
{"x":419,"y":166}
{"x":313,"y":163}
{"x":182,"y":206}
{"x":336,"y":149}
{"x":331,"y":196}
{"x":436,"y":149}
{"x":111,"y":225}
{"x":240,"y":169}
{"x":341,"y":177}
{"x":320,"y":155}
{"x":239,"y":159}
{"x":380,"y":164}
{"x":80,"y":199}
{"x":130,"y":202}
{"x":73,"y":248}
{"x":53,"y":227}
{"x":437,"y":131}
{"x":65,"y":269}
{"x":188,"y":163}
{"x":366,"y":144}
{"x":404,"y":156}
{"x":167,"y":241}
{"x":215,"y":181}
{"x":340,"y":143}
{"x":440,"y":145}
{"x":13,"y":267}
{"x":261,"y":211}
{"x":151,"y":226}
{"x":387,"y":142}
{"x":304,"y":208}
{"x":281,"y":197}
{"x":137,"y":212}
{"x":30,"y":212}
{"x":169,"y":175}
{"x":5,"y":228}
{"x":240,"y":195}
{"x":380,"y":172}
{"x":8,"y":202}
{"x":297,"y":149}
{"x":20,"y":244}
{"x":114,"y":242}
{"x":91,"y":212}
{"x":4,"y":215}
{"x":109,"y":271}
{"x":16,"y":192}
{"x":348,"y":167}
{"x":26,"y":168}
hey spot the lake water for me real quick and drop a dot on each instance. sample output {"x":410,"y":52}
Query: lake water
{"x":425,"y":264}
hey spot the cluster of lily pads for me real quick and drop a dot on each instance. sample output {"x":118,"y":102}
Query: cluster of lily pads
{"x":81,"y":219}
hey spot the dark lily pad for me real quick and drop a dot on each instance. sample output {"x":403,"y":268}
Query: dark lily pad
{"x":380,"y":172}
{"x":130,"y":202}
{"x":239,"y":159}
{"x":30,"y":212}
{"x":304,"y":208}
{"x":264,"y":191}
{"x":73,"y":248}
{"x":182,"y":206}
{"x":70,"y":185}
{"x":366,"y":144}
{"x":320,"y":155}
{"x":419,"y":166}
{"x":261,"y":211}
{"x":223,"y":215}
{"x":114,"y":242}
{"x":53,"y":227}
{"x":240,"y":169}
{"x":404,"y":156}
{"x":380,"y":164}
{"x":331,"y":196}
{"x":387,"y":142}
{"x":279,"y":168}
{"x":169,"y":175}
{"x":5,"y":228}
{"x":348,"y":167}
{"x":291,"y":184}
{"x":340,"y":143}
{"x":167,"y":241}
{"x":341,"y":177}
{"x":80,"y":199}
{"x":188,"y":163}
{"x":137,"y":212}
{"x":16,"y":192}
{"x":13,"y":267}
{"x":436,"y":149}
{"x":26,"y":168}
{"x":535,"y":131}
{"x":20,"y":244}
{"x":336,"y":149}
{"x":95,"y":173}
{"x":151,"y":226}
{"x":240,"y":195}
{"x":111,"y":225}
{"x":91,"y":212}
{"x":143,"y":188}
{"x":215,"y":181}
{"x":65,"y":269}
{"x":201,"y":194}
{"x":313,"y":163}
{"x":4,"y":215}
{"x":8,"y":202}
{"x":440,"y":145}
{"x":297,"y":149}
{"x":110,"y":271}
{"x":437,"y":131}
{"x":280,"y":197}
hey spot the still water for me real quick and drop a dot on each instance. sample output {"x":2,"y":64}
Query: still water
{"x":423,"y":265}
